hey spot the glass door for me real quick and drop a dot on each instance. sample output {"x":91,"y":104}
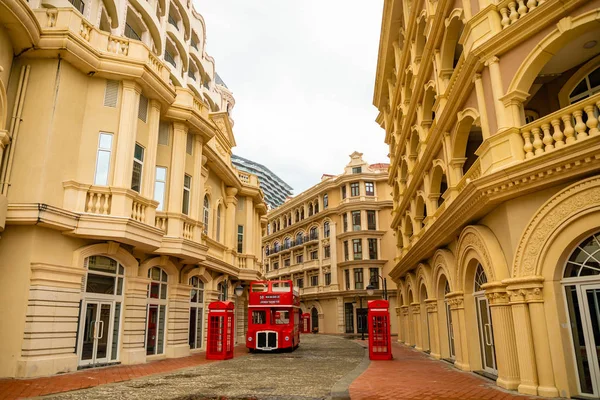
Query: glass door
{"x":361,"y":320}
{"x":95,"y":340}
{"x":450,"y":332}
{"x":486,"y":336}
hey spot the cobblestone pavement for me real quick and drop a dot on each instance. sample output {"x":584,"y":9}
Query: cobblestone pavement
{"x":310,"y":372}
{"x":414,"y":375}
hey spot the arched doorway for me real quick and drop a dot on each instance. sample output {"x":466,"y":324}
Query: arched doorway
{"x":196,"y":313}
{"x":100,"y":312}
{"x":581,"y":280}
{"x":314,"y":317}
{"x":156,"y":311}
{"x":484,"y":323}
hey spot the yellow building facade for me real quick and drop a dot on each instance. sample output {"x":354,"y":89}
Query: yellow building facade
{"x":490,"y":110}
{"x":332,"y":241}
{"x":121,"y":215}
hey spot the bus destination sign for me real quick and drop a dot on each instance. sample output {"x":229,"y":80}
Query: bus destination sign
{"x":269,"y":299}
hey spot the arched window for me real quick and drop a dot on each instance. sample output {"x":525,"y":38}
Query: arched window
{"x":316,"y":206}
{"x":156,"y":314}
{"x":587,"y":87}
{"x":298,"y":238}
{"x":310,"y":209}
{"x":314,"y":235}
{"x":218,"y":235}
{"x":480,"y":278}
{"x":297,"y":216}
{"x":222,"y":289}
{"x":325,"y":201}
{"x":206,"y":214}
{"x":581,"y":278}
{"x":100,"y":322}
{"x":276,"y":247}
{"x":326,"y":230}
{"x":287,"y":243}
{"x":196,"y":312}
{"x":289,"y":219}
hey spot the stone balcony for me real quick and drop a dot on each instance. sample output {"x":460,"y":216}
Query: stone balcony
{"x":112,"y":213}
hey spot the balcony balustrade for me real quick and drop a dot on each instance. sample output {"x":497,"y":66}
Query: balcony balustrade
{"x":510,"y":10}
{"x":562,"y":128}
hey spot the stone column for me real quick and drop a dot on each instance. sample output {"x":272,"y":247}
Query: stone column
{"x":133,"y":347}
{"x":497,"y":91}
{"x":178,"y":317}
{"x":406,"y":324}
{"x":127,"y":131}
{"x":399,"y":320}
{"x":457,"y":309}
{"x":176,"y":177}
{"x":230,"y":225}
{"x":416,"y":321}
{"x":4,"y":141}
{"x":434,"y":334}
{"x":150,"y":154}
{"x":505,"y":346}
{"x":249,"y":226}
{"x":197,"y":194}
{"x":537,"y":374}
{"x":485,"y":128}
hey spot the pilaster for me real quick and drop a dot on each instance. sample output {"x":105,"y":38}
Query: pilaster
{"x":176,"y":178}
{"x":150,"y":153}
{"x":133,"y":348}
{"x":497,"y":91}
{"x":434,"y":334}
{"x":504,"y":335}
{"x":415,"y":309}
{"x":178,"y":318}
{"x":126,"y":134}
{"x":457,"y":309}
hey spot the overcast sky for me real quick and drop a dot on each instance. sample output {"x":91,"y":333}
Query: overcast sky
{"x":302,"y":73}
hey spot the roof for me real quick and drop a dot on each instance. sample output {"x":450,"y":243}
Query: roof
{"x":219,"y":81}
{"x":380,"y":166}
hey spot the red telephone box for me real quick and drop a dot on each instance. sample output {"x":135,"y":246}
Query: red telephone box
{"x":380,"y":343}
{"x":220,"y":331}
{"x":305,"y":326}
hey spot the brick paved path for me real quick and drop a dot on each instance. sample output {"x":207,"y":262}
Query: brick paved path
{"x":413,"y":375}
{"x":21,"y":388}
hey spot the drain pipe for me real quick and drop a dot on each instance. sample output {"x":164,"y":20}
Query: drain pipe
{"x":15,"y":123}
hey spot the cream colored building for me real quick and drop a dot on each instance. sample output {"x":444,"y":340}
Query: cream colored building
{"x":332,"y":240}
{"x":120,"y":211}
{"x":490,"y":109}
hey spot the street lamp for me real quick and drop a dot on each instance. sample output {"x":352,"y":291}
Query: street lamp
{"x":239,"y":290}
{"x":362,"y":330}
{"x":371,"y":287}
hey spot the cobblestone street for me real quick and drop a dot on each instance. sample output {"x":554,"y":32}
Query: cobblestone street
{"x":310,"y":372}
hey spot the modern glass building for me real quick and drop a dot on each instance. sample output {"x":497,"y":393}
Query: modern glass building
{"x":275,"y":189}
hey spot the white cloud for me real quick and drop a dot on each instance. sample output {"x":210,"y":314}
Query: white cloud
{"x":302,"y":74}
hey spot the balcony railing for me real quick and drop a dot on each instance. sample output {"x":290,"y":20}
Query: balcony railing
{"x":511,"y":10}
{"x":473,"y":173}
{"x":562,"y":128}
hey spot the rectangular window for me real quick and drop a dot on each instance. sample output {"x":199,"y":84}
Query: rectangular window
{"x":300,"y":283}
{"x":160,"y":186}
{"x":346,"y":256}
{"x":356,"y":221}
{"x":347,"y":278}
{"x":143,"y":108}
{"x":344,"y":192}
{"x":240,"y":239}
{"x":349,"y":317}
{"x":354,"y":189}
{"x":131,"y":33}
{"x":369,"y":189}
{"x":187,"y":187}
{"x":357,"y":248}
{"x":259,"y":317}
{"x":314,"y":280}
{"x":163,"y":133}
{"x":372,"y":249}
{"x":358,"y":279}
{"x":356,"y":170}
{"x":103,"y":159}
{"x":299,"y":259}
{"x":325,"y":201}
{"x":326,"y":229}
{"x":314,"y":254}
{"x":327,"y":278}
{"x":345,"y":220}
{"x":374,"y":277}
{"x":326,"y":252}
{"x":276,"y":265}
{"x":286,"y":262}
{"x":138,"y":164}
{"x":371,"y":220}
{"x":189,"y":144}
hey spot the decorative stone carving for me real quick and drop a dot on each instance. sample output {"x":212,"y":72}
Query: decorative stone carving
{"x":570,"y":201}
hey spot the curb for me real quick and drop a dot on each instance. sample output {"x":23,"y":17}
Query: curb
{"x":341,"y":389}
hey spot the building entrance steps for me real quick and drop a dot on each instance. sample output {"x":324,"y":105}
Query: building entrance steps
{"x":414,"y":375}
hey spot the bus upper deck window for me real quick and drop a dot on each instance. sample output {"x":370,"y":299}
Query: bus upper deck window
{"x":259,"y":287}
{"x":281,"y":287}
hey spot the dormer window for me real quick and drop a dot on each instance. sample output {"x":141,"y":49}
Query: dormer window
{"x":356,"y":170}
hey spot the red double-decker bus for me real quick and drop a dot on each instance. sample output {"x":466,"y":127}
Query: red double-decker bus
{"x":273,"y":316}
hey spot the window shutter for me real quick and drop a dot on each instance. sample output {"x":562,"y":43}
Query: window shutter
{"x":143,"y":108}
{"x":111,"y":94}
{"x":163,"y":133}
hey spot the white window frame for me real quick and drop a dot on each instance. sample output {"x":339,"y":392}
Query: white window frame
{"x":141,"y":163}
{"x":157,"y":181}
{"x":103,"y":150}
